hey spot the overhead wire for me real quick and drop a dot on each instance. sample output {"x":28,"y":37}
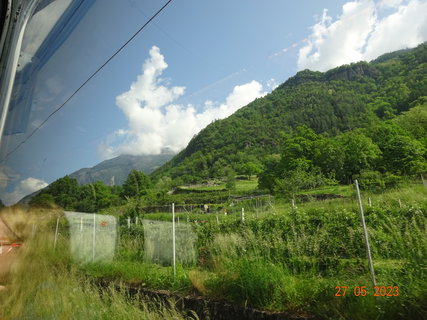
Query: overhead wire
{"x":86,"y":81}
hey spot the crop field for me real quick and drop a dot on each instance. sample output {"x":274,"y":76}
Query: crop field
{"x":308,"y":259}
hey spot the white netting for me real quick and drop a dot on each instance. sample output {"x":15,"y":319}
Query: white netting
{"x":92,"y":236}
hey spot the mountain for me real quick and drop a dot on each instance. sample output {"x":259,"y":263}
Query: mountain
{"x":115,"y":171}
{"x":359,"y":95}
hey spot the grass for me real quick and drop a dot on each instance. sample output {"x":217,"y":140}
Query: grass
{"x":283,"y":259}
{"x":291,"y":260}
{"x":340,"y":190}
{"x":45,"y":284}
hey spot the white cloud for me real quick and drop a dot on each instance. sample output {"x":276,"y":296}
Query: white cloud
{"x":25,"y":187}
{"x":359,"y":34}
{"x":272,"y":84}
{"x":156,"y":123}
{"x":390,"y":3}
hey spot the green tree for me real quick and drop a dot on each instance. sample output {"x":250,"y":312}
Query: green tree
{"x":42,"y":200}
{"x":360,"y":153}
{"x":300,"y":178}
{"x":401,"y":153}
{"x":136,"y":184}
{"x":230,"y":182}
{"x":250,"y":169}
{"x":268,"y":178}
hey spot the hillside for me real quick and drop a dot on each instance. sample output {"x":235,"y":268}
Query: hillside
{"x":118,"y":168}
{"x":361,"y":95}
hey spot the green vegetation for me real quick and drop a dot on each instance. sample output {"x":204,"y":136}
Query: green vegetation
{"x":289,"y":159}
{"x":45,"y":284}
{"x":292,"y":259}
{"x":363,"y":116}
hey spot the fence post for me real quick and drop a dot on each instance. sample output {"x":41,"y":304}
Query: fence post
{"x":242,"y":216}
{"x":81,"y":232}
{"x":173,"y":240}
{"x":56,"y":233}
{"x":365,"y":232}
{"x":94,"y":237}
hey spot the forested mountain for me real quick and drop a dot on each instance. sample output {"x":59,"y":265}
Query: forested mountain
{"x":317,"y":122}
{"x":364,"y":120}
{"x":115,"y":171}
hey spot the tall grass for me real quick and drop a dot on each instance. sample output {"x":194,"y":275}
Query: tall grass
{"x":294,"y":261}
{"x":291,"y":260}
{"x":45,"y":284}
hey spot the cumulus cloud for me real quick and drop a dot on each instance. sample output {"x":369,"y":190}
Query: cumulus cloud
{"x":360,"y":34}
{"x":156,"y":123}
{"x":25,"y":187}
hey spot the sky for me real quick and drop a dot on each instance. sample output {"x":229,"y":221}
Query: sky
{"x":197,"y":61}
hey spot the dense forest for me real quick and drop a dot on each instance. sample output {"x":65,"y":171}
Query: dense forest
{"x":363,"y":120}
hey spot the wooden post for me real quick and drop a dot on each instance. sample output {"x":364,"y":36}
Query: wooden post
{"x":365,"y":232}
{"x":173,"y":240}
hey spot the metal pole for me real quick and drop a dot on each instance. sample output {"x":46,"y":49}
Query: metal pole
{"x":173,"y":239}
{"x":81,"y":231}
{"x":365,"y":232}
{"x":94,"y":237}
{"x":56,"y":233}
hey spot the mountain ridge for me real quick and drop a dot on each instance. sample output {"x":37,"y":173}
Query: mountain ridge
{"x":119,"y":167}
{"x":342,"y":99}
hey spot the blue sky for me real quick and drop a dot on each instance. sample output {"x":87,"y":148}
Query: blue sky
{"x":198,"y":61}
